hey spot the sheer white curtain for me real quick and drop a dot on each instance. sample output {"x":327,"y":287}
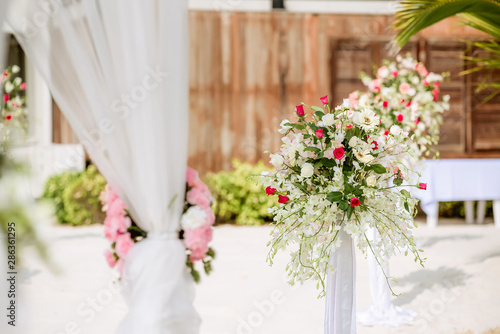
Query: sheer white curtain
{"x":340,"y":308}
{"x":118,"y":69}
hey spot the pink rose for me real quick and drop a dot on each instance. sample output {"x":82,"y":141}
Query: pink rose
{"x":300,"y":110}
{"x":210,"y":219}
{"x":111,"y":195}
{"x":339,"y":153}
{"x":400,"y":118}
{"x":124,"y":244}
{"x":23,"y":86}
{"x":6,"y":98}
{"x":395,"y":74}
{"x":385,"y":104}
{"x":422,"y":186}
{"x":116,"y":208}
{"x":319,"y":133}
{"x":116,"y":225}
{"x":197,"y":241}
{"x":191,"y":177}
{"x":197,"y":254}
{"x":110,"y":258}
{"x":404,"y":88}
{"x":423,"y":71}
{"x":197,"y":196}
{"x":324,"y":100}
{"x":383,"y":72}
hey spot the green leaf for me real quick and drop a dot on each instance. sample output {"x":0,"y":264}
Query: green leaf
{"x":350,"y":210}
{"x":317,"y":109}
{"x":398,"y":181}
{"x":406,"y":207}
{"x":377,"y":168}
{"x":405,"y":193}
{"x":318,"y":164}
{"x":319,"y":114}
{"x":312,"y":149}
{"x":344,"y":205}
{"x":328,"y":162}
{"x":348,"y":188}
{"x":334,"y":196}
{"x":300,"y":186}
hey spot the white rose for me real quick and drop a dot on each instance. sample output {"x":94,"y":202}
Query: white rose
{"x":18,"y":81}
{"x":328,"y":119}
{"x":346,"y":103}
{"x":307,"y":170}
{"x":421,"y":127}
{"x":396,"y":130}
{"x":284,"y":128}
{"x":370,"y":180}
{"x":412,"y":92}
{"x":16,"y":69}
{"x":353,"y":141}
{"x":363,"y":157}
{"x":277,"y":160}
{"x":193,"y":218}
{"x":9,"y":87}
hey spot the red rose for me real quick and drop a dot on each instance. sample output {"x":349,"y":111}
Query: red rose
{"x":375,"y":145}
{"x":319,"y":133}
{"x":348,"y":126}
{"x":402,"y":101}
{"x":338,"y":153}
{"x":300,"y":110}
{"x":283,"y":199}
{"x":385,"y":104}
{"x":436,"y":84}
{"x":426,"y":83}
{"x":408,"y":104}
{"x":435,"y":94}
{"x":324,"y":100}
{"x":400,"y":117}
{"x":386,"y":132}
{"x":417,"y":121}
{"x":8,"y":117}
{"x":395,"y":74}
{"x":270,"y":191}
{"x":422,"y":186}
{"x":355,"y":201}
{"x":6,"y":98}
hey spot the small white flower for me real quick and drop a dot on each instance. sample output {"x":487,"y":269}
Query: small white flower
{"x":16,"y":69}
{"x":307,"y":170}
{"x":193,"y":218}
{"x":277,"y":160}
{"x":346,"y":103}
{"x":353,"y":141}
{"x":396,"y":130}
{"x":366,"y":119}
{"x":8,"y":87}
{"x":18,"y":81}
{"x":328,"y":119}
{"x":412,"y":92}
{"x":364,"y":157}
{"x":284,"y":128}
{"x":421,"y":127}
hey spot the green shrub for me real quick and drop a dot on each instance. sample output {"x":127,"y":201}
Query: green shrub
{"x":239,"y":195}
{"x":76,"y":196}
{"x":457,"y":209}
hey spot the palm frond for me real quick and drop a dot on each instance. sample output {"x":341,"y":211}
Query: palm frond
{"x":414,"y":15}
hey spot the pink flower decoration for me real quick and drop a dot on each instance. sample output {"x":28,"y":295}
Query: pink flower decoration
{"x":423,"y":71}
{"x":116,"y":208}
{"x":300,"y":110}
{"x":425,"y":82}
{"x":404,"y":88}
{"x":6,"y":98}
{"x":382,"y":72}
{"x":124,"y":244}
{"x":395,"y":74}
{"x":197,"y":241}
{"x":116,"y":225}
{"x":197,"y":196}
{"x":197,"y":254}
{"x":374,"y":86}
{"x":353,"y":98}
{"x":400,"y":117}
{"x":119,"y":266}
{"x":210,"y":220}
{"x":435,"y":94}
{"x":192,"y":177}
{"x":385,"y":104}
{"x":111,"y":195}
{"x":319,"y":133}
{"x":110,"y":258}
{"x":324,"y":100}
{"x":23,"y":86}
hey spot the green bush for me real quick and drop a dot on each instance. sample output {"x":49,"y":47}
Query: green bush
{"x":239,"y":196}
{"x":76,"y":196}
{"x":457,"y":209}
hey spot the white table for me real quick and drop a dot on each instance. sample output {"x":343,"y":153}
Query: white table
{"x":460,"y":180}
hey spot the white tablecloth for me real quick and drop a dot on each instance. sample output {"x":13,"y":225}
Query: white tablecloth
{"x":458,"y":180}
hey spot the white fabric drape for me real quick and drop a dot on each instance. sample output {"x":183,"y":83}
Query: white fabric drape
{"x":340,"y":310}
{"x":118,"y":69}
{"x":383,"y":312}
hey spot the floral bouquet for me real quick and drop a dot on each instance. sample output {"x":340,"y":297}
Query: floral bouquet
{"x":13,"y":112}
{"x":406,"y":94}
{"x":338,"y":170}
{"x":196,"y":222}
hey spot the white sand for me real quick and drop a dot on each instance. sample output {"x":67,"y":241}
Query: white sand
{"x":459,"y":289}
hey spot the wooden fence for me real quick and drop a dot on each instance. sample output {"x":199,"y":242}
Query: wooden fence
{"x":249,"y":70}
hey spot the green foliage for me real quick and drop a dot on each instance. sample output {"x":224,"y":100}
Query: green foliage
{"x":239,"y":195}
{"x":75,"y":196}
{"x":457,"y":209}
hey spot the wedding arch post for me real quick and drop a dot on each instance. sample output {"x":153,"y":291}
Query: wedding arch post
{"x":118,"y":69}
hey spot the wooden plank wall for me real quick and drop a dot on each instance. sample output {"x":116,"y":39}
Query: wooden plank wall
{"x":248,"y":70}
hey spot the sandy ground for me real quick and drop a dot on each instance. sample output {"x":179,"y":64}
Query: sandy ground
{"x":457,"y":292}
